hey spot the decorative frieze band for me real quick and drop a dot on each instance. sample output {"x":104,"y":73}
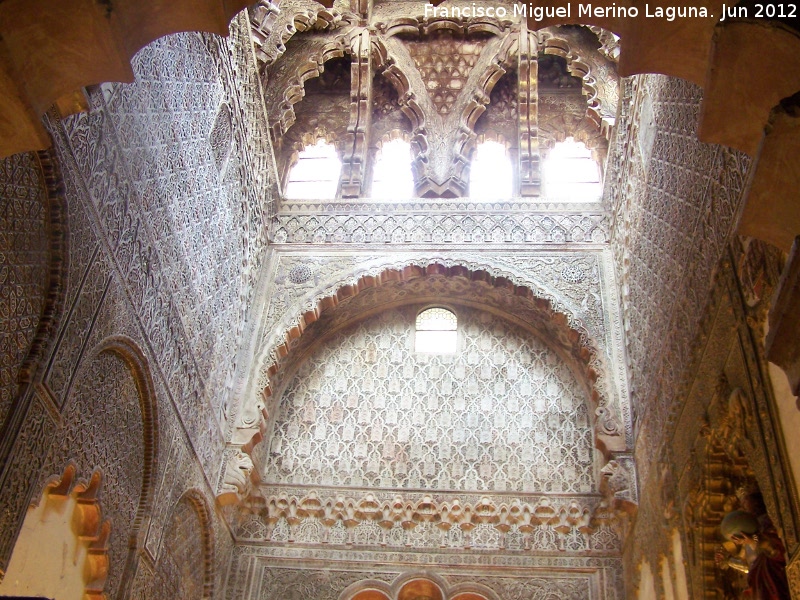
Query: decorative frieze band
{"x":455,"y":228}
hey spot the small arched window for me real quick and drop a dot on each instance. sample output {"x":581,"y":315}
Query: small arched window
{"x":490,"y":175}
{"x":315,"y":175}
{"x":571,"y":174}
{"x":436,"y":331}
{"x":392,"y":178}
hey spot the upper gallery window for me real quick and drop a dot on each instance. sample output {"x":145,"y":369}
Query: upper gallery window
{"x":436,"y":331}
{"x":491,"y":172}
{"x":315,"y":175}
{"x":571,"y":174}
{"x":392,"y":178}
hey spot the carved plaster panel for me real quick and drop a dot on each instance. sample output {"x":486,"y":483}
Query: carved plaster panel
{"x":288,"y":305}
{"x":275,"y":22}
{"x":185,"y":570}
{"x":190,"y":294}
{"x":23,"y":266}
{"x":459,"y":227}
{"x":573,"y":284}
{"x":675,"y":201}
{"x":579,"y":47}
{"x":428,"y":422}
{"x":31,"y":446}
{"x":108,"y":436}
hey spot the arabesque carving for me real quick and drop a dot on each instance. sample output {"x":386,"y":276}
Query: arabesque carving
{"x":34,"y":264}
{"x":288,"y":76}
{"x":599,"y":75}
{"x":117,"y":369}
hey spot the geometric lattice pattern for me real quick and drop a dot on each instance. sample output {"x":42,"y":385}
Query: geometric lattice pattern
{"x":158,"y":119}
{"x":23,"y":266}
{"x":676,"y":200}
{"x":502,"y":414}
{"x":445,"y":65}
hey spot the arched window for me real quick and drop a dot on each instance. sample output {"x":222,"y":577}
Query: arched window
{"x":315,"y":175}
{"x":436,"y":331}
{"x":392,"y":178}
{"x":491,"y":172}
{"x":571,"y":174}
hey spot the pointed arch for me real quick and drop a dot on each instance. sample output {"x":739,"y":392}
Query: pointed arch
{"x":128,"y":350}
{"x":135,"y":362}
{"x":199,"y":504}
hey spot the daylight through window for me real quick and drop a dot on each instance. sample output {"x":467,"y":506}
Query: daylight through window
{"x":571,"y":174}
{"x":436,"y":331}
{"x":490,"y":173}
{"x":392,"y":178}
{"x":315,"y":176}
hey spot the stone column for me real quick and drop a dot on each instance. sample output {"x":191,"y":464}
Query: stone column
{"x":357,"y":139}
{"x":530,"y":179}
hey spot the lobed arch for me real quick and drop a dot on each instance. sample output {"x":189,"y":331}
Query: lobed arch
{"x":417,"y":584}
{"x":133,"y":366}
{"x":468,"y":107}
{"x":392,"y":135}
{"x":601,"y":110}
{"x":717,"y":56}
{"x":388,"y":136}
{"x":272,"y":26}
{"x":85,"y":527}
{"x":134,"y":359}
{"x":511,"y":148}
{"x":306,"y":139}
{"x":289,"y":86}
{"x":386,"y":66}
{"x":500,"y":63}
{"x":336,"y":305}
{"x":583,"y":131}
{"x":128,"y":350}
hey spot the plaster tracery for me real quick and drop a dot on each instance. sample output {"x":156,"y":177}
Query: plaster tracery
{"x":32,"y":266}
{"x":279,"y":332}
{"x":325,"y":436}
{"x":611,"y":422}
